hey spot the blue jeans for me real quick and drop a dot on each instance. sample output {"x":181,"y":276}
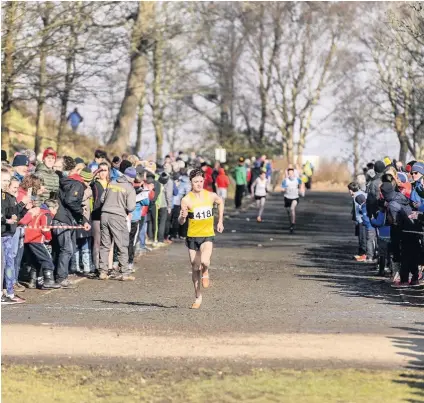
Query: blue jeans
{"x":83,"y":249}
{"x":142,"y":235}
{"x":63,"y":250}
{"x":9,"y":270}
{"x":18,"y":250}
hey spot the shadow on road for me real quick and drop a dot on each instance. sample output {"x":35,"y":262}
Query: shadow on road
{"x":147,"y":304}
{"x":413,"y":348}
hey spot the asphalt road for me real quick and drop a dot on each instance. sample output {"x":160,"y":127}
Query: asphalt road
{"x":262,"y":280}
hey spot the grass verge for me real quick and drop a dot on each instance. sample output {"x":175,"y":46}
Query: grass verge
{"x":74,"y":384}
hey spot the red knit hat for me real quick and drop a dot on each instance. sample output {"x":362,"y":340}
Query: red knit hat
{"x":49,"y":151}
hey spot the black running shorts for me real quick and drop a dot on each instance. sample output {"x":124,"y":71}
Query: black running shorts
{"x":195,"y":243}
{"x":288,"y":202}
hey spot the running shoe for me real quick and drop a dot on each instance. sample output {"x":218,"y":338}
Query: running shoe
{"x":259,"y":219}
{"x":291,"y":229}
{"x":362,"y":258}
{"x":17,"y":299}
{"x":5,"y":300}
{"x":205,"y":281}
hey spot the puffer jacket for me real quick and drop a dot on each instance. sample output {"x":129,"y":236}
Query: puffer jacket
{"x":51,"y":181}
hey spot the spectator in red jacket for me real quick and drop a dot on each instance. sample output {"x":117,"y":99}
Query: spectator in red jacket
{"x":222,"y":183}
{"x":208,"y":176}
{"x":37,"y":235}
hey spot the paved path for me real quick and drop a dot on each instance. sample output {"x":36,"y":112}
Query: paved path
{"x":303,"y":284}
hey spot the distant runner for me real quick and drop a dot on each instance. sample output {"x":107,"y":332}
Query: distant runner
{"x":198,"y":207}
{"x":292,"y":187}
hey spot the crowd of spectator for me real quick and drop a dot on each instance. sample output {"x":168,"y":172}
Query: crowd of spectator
{"x":388,"y":206}
{"x":63,"y":217}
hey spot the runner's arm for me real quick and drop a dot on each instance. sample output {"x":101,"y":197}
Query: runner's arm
{"x":184,"y":212}
{"x":217,"y":200}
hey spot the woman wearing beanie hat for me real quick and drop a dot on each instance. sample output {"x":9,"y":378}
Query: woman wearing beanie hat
{"x":46,"y":171}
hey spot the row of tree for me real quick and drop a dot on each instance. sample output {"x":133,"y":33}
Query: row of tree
{"x":248,"y":76}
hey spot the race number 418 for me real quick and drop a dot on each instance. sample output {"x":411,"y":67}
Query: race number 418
{"x":202,"y":213}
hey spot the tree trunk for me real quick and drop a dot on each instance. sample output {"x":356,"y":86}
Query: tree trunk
{"x":64,"y":99}
{"x":39,"y":122}
{"x":140,"y":39}
{"x":290,"y":145}
{"x":262,"y":90}
{"x":356,"y":151}
{"x":7,"y":70}
{"x":300,"y":150}
{"x":403,"y":152}
{"x":140,"y":115}
{"x":69,"y":77}
{"x":157,"y":88}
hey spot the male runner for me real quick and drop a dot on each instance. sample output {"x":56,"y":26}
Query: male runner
{"x":291,"y":186}
{"x":197,"y":205}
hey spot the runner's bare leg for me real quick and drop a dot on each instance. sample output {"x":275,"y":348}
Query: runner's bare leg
{"x":195,"y":271}
{"x":293,"y":211}
{"x":205,"y":260}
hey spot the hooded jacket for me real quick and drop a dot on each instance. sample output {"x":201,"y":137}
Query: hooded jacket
{"x":119,"y":197}
{"x":373,"y":190}
{"x":50,"y":179}
{"x":71,"y":193}
{"x":417,"y":195}
{"x":165,"y":197}
{"x":208,"y":179}
{"x":397,"y":206}
{"x":222,"y":181}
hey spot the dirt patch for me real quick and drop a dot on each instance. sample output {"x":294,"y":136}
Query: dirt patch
{"x":83,"y":342}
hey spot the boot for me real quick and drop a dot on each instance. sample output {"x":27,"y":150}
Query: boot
{"x":32,"y":278}
{"x":49,"y":282}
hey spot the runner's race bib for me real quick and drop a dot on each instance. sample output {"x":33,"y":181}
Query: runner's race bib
{"x":202,"y":213}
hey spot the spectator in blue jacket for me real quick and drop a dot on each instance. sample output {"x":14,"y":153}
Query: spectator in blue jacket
{"x":383,"y":238}
{"x":360,"y":200}
{"x":417,"y":193}
{"x":360,"y":229}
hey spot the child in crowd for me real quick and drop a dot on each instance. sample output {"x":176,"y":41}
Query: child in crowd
{"x":11,"y":213}
{"x":37,"y":237}
{"x":360,"y":228}
{"x":360,"y":201}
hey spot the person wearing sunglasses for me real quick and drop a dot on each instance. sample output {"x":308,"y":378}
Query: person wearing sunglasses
{"x":417,"y":194}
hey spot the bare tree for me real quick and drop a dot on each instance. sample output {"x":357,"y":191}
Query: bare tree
{"x":141,"y":41}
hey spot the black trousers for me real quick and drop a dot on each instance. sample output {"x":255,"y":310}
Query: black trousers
{"x":135,"y":225}
{"x":39,"y":257}
{"x":175,"y":225}
{"x":163,"y":218}
{"x":152,"y":228}
{"x":240,"y":189}
{"x":409,"y":252}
